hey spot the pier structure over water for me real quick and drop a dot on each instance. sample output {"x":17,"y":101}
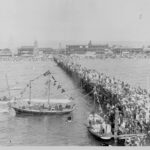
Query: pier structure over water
{"x":133,"y":103}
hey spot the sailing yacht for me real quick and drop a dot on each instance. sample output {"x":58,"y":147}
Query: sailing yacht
{"x":42,"y":106}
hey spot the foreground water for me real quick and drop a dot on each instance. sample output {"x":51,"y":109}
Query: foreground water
{"x":55,"y":130}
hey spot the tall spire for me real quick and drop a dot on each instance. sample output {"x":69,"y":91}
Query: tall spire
{"x":36,"y":52}
{"x":35,"y":44}
{"x":90,"y":43}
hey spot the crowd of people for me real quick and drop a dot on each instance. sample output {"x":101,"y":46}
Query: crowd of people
{"x":132,"y":103}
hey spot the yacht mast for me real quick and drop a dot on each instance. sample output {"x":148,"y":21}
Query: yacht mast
{"x":116,"y":124}
{"x":95,"y":98}
{"x":7,"y":85}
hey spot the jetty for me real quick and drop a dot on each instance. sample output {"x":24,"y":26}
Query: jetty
{"x":132,"y":103}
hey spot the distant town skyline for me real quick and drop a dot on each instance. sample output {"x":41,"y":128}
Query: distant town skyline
{"x":51,"y":22}
{"x":56,"y":44}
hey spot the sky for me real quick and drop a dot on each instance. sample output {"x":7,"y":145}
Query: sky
{"x":53,"y":21}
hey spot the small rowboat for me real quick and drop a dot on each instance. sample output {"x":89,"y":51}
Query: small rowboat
{"x":100,"y":136}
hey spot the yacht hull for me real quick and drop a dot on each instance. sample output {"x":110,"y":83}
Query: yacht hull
{"x":41,"y":112}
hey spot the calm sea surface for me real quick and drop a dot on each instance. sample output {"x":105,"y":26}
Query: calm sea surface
{"x":55,"y":130}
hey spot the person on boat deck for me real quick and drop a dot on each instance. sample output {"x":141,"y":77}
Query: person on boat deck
{"x":60,"y":107}
{"x":97,"y":127}
{"x":43,"y":106}
{"x":49,"y":107}
{"x":123,"y":125}
{"x":90,"y":119}
{"x":104,"y":126}
{"x":29,"y":102}
{"x":108,"y":129}
{"x":56,"y":107}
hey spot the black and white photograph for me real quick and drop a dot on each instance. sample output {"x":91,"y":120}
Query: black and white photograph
{"x":75,"y":73}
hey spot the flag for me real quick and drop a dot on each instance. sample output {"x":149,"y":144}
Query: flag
{"x":71,"y":98}
{"x":53,"y":78}
{"x":62,"y":91}
{"x":47,"y":73}
{"x":54,"y":83}
{"x":59,"y":86}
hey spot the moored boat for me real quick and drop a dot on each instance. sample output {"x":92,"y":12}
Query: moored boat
{"x":98,"y":135}
{"x":40,"y":107}
{"x":43,"y":106}
{"x":98,"y":128}
{"x":40,"y":112}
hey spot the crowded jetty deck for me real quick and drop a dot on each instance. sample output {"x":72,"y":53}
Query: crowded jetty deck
{"x":133,"y":103}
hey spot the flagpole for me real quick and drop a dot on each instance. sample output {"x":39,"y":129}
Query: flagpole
{"x":8,"y":85}
{"x":30,"y":91}
{"x":49,"y":90}
{"x":94,"y":98}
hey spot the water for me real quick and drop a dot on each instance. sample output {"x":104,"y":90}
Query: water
{"x":55,"y":130}
{"x":136,"y":72}
{"x":42,"y":130}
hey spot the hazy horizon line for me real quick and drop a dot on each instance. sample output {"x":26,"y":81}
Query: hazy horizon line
{"x":57,"y":43}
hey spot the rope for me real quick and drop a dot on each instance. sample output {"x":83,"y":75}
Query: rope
{"x":11,"y":88}
{"x":37,"y":77}
{"x":88,"y":93}
{"x":77,"y":96}
{"x":85,"y":94}
{"x":54,"y":81}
